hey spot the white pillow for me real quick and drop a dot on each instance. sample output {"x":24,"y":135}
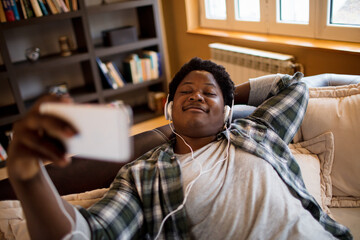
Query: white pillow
{"x":12,"y":219}
{"x":315,"y":158}
{"x":337,"y":109}
{"x":85,"y":199}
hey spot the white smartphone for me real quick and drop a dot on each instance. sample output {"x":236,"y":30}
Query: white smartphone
{"x":103,"y":130}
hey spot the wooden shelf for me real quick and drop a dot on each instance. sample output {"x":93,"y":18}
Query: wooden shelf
{"x":84,"y":94}
{"x":131,"y":87}
{"x":87,"y":97}
{"x":83,"y":61}
{"x":102,"y":51}
{"x":51,"y":61}
{"x":41,"y":20}
{"x":118,"y":6}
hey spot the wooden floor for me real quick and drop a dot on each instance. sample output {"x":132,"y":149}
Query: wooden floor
{"x":148,"y":125}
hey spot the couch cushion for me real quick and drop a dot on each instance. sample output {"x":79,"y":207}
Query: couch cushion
{"x":12,"y":219}
{"x":337,"y":109}
{"x":315,"y":158}
{"x":350,"y":217}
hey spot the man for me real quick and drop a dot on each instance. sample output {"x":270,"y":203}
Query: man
{"x":208,"y":183}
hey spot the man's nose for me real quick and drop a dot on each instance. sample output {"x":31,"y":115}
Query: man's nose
{"x":196,"y":96}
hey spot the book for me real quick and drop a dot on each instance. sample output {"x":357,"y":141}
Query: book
{"x":52,"y":7}
{"x":23,"y":10}
{"x":154,"y":67}
{"x":146,"y":68}
{"x":156,"y":101}
{"x":20,"y":9}
{"x":119,"y":73}
{"x":67,"y":3}
{"x":138,"y":67}
{"x":43,"y":8}
{"x":105,"y":75}
{"x":44,"y":3}
{"x":159,"y":63}
{"x":57,"y":6}
{"x":130,"y":70}
{"x":74,"y":5}
{"x":36,"y":7}
{"x":27,"y":5}
{"x":15,"y":9}
{"x":106,"y":70}
{"x":9,"y":14}
{"x":63,"y":6}
{"x":2,"y":13}
{"x":115,"y":74}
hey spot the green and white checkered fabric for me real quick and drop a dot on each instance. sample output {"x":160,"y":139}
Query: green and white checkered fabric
{"x":146,"y":190}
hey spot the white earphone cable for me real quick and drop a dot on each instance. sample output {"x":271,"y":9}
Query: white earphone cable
{"x":190,"y":185}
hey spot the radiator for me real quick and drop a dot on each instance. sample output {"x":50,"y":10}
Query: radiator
{"x":244,"y":63}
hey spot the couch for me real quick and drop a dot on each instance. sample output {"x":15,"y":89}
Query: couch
{"x":327,"y":148}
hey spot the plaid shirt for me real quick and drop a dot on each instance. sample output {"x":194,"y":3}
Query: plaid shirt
{"x":146,"y":190}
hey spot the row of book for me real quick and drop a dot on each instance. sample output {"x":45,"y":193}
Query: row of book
{"x":110,"y":74}
{"x":142,"y":68}
{"x":136,"y":69}
{"x":13,"y":10}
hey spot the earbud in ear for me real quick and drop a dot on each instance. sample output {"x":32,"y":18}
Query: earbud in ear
{"x":227,"y":112}
{"x":168,"y":110}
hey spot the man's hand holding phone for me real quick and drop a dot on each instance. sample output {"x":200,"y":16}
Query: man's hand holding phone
{"x":55,"y":126}
{"x":32,"y":141}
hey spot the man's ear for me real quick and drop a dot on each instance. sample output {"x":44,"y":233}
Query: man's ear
{"x":227,"y":112}
{"x":168,"y":109}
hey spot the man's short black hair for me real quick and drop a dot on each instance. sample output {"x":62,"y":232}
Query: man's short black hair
{"x":221,"y":76}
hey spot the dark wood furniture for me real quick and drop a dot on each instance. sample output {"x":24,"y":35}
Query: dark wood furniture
{"x":13,"y":89}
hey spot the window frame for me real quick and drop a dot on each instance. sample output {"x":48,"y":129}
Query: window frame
{"x":250,"y":26}
{"x":333,"y":32}
{"x":317,"y":27}
{"x":212,"y":23}
{"x":291,"y":29}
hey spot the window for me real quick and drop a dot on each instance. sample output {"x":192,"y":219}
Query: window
{"x":293,"y":11}
{"x":324,"y":19}
{"x":247,"y":10}
{"x":215,"y":9}
{"x":344,"y":13}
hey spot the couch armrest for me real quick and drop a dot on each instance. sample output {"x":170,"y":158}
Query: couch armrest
{"x":331,"y":79}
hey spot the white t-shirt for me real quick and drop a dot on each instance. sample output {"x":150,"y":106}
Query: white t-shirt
{"x":242,"y":197}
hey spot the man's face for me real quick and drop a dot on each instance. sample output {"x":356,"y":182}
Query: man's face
{"x":198,"y":109}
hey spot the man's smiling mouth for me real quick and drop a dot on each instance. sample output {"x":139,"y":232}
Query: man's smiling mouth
{"x":195,"y":107}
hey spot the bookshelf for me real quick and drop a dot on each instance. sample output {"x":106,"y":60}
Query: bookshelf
{"x":22,"y":81}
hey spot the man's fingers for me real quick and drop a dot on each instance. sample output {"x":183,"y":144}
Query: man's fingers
{"x":57,"y":127}
{"x":49,"y":148}
{"x":41,"y":123}
{"x":39,"y":136}
{"x":51,"y":98}
{"x":34,"y":132}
